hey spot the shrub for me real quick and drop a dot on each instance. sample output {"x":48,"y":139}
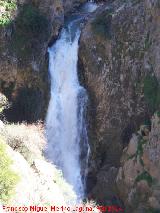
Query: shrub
{"x":140,"y":147}
{"x":139,"y":151}
{"x":144,"y":176}
{"x":28,"y":140}
{"x":102,"y":24}
{"x":31,"y":21}
{"x":31,"y":26}
{"x":8,"y":178}
{"x":8,"y":7}
{"x":152,"y":92}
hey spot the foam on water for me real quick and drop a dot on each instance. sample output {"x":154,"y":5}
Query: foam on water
{"x":65,"y":123}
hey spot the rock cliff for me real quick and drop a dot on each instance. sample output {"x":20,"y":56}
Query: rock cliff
{"x":26,"y":29}
{"x":138,"y":177}
{"x":118,"y":63}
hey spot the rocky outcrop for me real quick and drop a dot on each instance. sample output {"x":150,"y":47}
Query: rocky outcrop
{"x":138,"y":177}
{"x":23,"y":66}
{"x":25,"y":33}
{"x":118,"y":50}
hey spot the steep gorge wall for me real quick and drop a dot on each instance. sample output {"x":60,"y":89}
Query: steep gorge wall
{"x":138,"y":177}
{"x":23,"y":54}
{"x":119,"y":49}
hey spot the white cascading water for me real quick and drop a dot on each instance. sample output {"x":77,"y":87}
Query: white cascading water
{"x":65,"y":124}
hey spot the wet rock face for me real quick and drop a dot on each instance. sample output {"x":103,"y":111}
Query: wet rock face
{"x":23,"y":59}
{"x":70,"y":5}
{"x":115,"y":56}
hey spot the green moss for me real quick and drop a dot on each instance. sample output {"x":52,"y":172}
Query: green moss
{"x":140,"y":147}
{"x":144,"y":176}
{"x":8,"y":7}
{"x":8,"y":178}
{"x":102,"y":24}
{"x":152,"y":92}
{"x":139,"y":151}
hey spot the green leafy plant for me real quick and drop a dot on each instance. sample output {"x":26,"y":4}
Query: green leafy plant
{"x":8,"y":7}
{"x":8,"y":178}
{"x":152,"y":92}
{"x":144,"y":176}
{"x":139,"y":151}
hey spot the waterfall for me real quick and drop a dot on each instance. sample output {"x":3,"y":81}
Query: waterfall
{"x":66,"y":130}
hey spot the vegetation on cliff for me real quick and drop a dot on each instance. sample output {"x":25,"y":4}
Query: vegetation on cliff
{"x":22,"y":163}
{"x":7,"y":8}
{"x":102,"y":24}
{"x":152,"y":92}
{"x":138,"y":177}
{"x":8,"y":178}
{"x":30,"y":25}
